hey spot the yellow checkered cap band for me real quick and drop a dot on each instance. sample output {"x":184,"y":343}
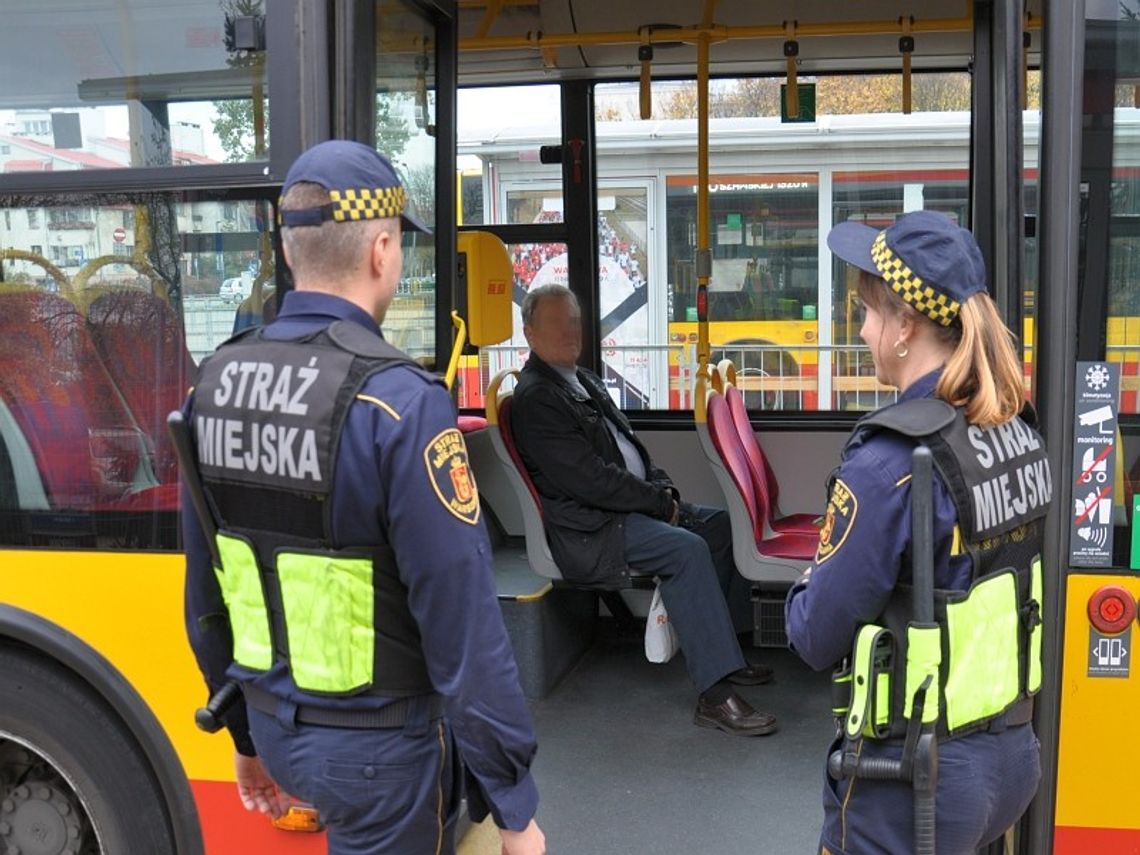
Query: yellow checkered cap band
{"x":906,"y":283}
{"x":367,"y":204}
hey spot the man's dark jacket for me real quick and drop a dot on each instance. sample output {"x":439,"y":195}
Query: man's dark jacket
{"x":579,"y":471}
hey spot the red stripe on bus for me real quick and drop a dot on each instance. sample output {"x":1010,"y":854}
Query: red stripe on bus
{"x":229,"y":829}
{"x":1074,"y":840}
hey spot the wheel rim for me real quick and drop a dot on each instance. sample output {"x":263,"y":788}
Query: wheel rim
{"x":42,"y":810}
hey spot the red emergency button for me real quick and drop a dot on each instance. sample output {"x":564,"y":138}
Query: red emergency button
{"x":1111,"y":609}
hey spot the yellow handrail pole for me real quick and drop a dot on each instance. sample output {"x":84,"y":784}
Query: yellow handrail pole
{"x":704,"y":257}
{"x":456,"y":349}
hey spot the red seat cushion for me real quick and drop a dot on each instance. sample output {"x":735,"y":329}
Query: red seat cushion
{"x":801,"y":547}
{"x":507,"y":433}
{"x":470,"y":424}
{"x":141,"y":343}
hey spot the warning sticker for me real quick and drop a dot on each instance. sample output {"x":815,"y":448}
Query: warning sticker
{"x":1094,"y":464}
{"x":1109,"y":655}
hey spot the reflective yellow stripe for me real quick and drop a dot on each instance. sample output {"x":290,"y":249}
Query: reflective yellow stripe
{"x":329,"y":607}
{"x":240,"y":582}
{"x":381,"y":404}
{"x":904,"y":479}
{"x":983,"y":633}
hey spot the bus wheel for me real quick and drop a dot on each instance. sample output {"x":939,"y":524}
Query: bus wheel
{"x":72,"y":779}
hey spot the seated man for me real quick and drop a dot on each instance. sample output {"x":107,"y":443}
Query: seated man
{"x":608,"y":510}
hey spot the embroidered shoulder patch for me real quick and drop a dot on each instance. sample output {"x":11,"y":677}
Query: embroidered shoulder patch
{"x":450,"y":474}
{"x":842,"y":506}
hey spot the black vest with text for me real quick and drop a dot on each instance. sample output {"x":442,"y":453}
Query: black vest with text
{"x":267,"y":419}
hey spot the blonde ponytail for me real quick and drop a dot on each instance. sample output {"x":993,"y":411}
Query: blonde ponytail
{"x":984,"y":374}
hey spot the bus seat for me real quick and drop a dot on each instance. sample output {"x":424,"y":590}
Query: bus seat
{"x":779,"y":558}
{"x":763,"y":478}
{"x":502,"y":440}
{"x":141,"y":343}
{"x":87,"y":448}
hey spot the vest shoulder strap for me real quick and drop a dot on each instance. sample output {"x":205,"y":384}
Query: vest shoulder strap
{"x":358,"y":341}
{"x":917,"y":418}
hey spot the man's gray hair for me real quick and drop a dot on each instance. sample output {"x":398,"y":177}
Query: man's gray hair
{"x":536,"y":295}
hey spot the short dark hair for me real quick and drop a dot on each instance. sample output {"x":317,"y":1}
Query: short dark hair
{"x":536,"y":295}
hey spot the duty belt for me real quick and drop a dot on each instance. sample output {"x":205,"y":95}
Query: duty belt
{"x":394,"y":714}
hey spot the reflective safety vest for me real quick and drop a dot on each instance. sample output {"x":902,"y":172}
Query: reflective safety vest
{"x":983,"y":653}
{"x":267,"y":417}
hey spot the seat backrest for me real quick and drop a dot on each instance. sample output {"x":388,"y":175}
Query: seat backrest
{"x":507,"y":433}
{"x":501,"y":431}
{"x":86,"y":445}
{"x":763,"y":478}
{"x":143,"y":347}
{"x":728,"y":446}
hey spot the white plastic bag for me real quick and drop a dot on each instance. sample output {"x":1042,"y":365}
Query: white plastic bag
{"x":661,"y":643}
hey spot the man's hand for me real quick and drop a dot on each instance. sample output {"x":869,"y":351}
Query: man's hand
{"x":257,"y":790}
{"x":529,"y":841}
{"x":676,"y":518}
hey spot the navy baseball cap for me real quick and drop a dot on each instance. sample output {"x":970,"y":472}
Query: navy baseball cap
{"x":930,"y":261}
{"x":361,"y":182}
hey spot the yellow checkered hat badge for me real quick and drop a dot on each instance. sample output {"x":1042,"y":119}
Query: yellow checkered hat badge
{"x":908,"y":285}
{"x":926,"y":258}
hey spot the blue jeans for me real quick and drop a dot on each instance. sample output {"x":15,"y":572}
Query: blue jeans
{"x":985,"y":783}
{"x":693,"y":585}
{"x":394,"y":790}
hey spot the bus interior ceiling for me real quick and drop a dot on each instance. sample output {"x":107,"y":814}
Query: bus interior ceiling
{"x":529,"y":41}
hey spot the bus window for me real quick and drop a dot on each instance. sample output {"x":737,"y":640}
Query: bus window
{"x":109,"y":85}
{"x":878,"y":198}
{"x":502,"y":181}
{"x":779,"y":305}
{"x":106,"y":308}
{"x":405,"y":134}
{"x":501,"y":130}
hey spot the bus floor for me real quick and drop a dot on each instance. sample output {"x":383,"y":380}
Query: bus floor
{"x":622,"y":770}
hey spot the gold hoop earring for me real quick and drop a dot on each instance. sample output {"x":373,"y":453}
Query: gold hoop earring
{"x":901,"y":350}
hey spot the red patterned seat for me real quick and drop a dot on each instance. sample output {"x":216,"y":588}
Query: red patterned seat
{"x":763,"y":478}
{"x":141,"y":343}
{"x":88,"y":451}
{"x":759,"y":558}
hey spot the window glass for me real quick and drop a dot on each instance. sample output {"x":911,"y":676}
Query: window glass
{"x":1110,"y":241}
{"x":114,"y":83}
{"x":499,"y":154}
{"x":99,"y":340}
{"x":406,"y":135}
{"x":780,"y":305}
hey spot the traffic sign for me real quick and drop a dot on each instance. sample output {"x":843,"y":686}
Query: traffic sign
{"x":120,"y":234}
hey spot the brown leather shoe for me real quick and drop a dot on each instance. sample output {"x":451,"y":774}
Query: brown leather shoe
{"x":751,"y":675}
{"x":734,"y":716}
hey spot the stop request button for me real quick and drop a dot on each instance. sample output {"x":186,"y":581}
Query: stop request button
{"x":1111,"y":609}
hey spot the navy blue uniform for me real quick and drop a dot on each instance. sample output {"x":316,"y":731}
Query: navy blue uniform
{"x":986,"y":780}
{"x":385,"y":493}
